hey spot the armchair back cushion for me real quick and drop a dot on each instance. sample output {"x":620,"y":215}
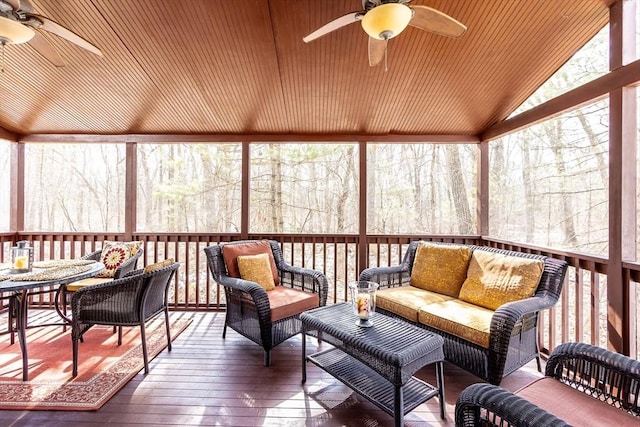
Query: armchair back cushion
{"x":114,"y":254}
{"x":495,"y":279}
{"x":257,"y":269}
{"x":440,"y":268}
{"x":231,"y":252}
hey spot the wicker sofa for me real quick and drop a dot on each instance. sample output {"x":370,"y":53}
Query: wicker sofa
{"x":490,"y":343}
{"x":583,"y":385}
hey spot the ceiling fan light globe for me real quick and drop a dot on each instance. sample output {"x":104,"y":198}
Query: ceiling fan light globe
{"x":387,"y":20}
{"x":12,"y":32}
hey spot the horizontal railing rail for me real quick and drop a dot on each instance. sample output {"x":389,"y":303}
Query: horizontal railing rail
{"x":581,"y":314}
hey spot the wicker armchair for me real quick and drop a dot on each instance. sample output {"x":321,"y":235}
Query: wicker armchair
{"x":129,"y":301}
{"x":605,"y":384}
{"x":514,"y":326}
{"x":250,"y":308}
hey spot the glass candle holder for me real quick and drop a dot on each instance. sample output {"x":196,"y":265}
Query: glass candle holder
{"x":363,"y":300}
{"x":21,"y":257}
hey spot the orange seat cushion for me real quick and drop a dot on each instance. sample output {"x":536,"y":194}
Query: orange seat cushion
{"x":231,"y":251}
{"x":573,"y":406}
{"x":286,"y":302}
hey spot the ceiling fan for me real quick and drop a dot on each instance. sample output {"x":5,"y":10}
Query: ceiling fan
{"x":19,"y":24}
{"x":385,"y":19}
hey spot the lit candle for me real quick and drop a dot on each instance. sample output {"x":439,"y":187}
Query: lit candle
{"x":21,"y":262}
{"x":363,"y":306}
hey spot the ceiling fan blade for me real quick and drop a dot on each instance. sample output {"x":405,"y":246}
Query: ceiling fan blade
{"x":377,"y":49}
{"x":334,"y":25}
{"x":40,"y":43}
{"x":433,"y":20}
{"x":25,"y":6}
{"x":60,"y":31}
{"x":15,"y":4}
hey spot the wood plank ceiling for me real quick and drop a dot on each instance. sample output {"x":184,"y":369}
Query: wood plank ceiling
{"x":240,"y":67}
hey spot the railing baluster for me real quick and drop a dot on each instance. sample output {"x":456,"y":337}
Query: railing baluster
{"x":337,"y":256}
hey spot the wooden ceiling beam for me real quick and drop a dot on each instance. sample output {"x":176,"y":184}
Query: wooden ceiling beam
{"x":627,"y":75}
{"x":9,"y":136}
{"x":257,"y":138}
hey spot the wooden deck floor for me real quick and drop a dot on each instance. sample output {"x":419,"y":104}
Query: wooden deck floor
{"x":206,"y":380}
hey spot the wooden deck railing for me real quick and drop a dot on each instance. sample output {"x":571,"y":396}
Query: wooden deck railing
{"x":580,"y":315}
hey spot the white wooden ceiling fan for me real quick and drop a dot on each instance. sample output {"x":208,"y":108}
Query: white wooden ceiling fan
{"x":385,"y":19}
{"x":19,"y":24}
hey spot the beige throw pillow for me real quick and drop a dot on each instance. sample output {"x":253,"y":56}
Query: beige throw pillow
{"x":115,"y":253}
{"x":112,"y":256}
{"x":257,"y":268}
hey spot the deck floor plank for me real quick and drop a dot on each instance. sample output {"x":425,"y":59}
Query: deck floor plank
{"x":206,"y":380}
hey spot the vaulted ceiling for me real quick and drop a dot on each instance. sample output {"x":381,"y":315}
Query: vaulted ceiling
{"x":241,"y":67}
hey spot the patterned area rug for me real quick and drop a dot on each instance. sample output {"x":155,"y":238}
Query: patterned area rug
{"x":104,"y":367}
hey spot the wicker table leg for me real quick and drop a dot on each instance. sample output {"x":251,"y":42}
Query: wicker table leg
{"x":304,"y":356}
{"x":398,"y":405}
{"x":440,"y":385}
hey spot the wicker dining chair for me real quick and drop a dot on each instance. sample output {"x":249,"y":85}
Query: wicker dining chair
{"x":63,"y":293}
{"x":265,"y":317}
{"x":129,"y":301}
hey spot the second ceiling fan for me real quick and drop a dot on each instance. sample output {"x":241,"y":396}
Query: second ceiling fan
{"x":385,"y":19}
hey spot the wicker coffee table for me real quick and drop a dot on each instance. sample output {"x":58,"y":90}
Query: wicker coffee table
{"x":377,"y":362}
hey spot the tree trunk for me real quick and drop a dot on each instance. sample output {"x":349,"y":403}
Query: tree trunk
{"x":458,"y":190}
{"x":555,"y":136}
{"x":277,"y":221}
{"x":530,"y":203}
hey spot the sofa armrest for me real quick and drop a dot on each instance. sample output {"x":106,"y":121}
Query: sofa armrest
{"x":507,"y":315}
{"x":503,"y":323}
{"x":387,"y":277}
{"x":305,"y":279}
{"x":599,"y":372}
{"x":490,"y":405}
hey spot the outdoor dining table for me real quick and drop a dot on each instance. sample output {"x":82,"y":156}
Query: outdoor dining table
{"x":19,"y":290}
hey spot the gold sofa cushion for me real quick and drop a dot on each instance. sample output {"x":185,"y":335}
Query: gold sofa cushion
{"x":406,"y":301}
{"x":459,"y":318}
{"x":440,"y":268}
{"x":494,"y":279}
